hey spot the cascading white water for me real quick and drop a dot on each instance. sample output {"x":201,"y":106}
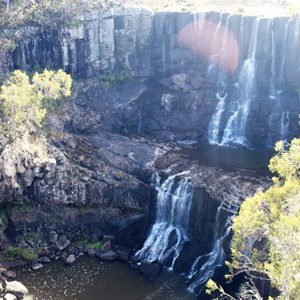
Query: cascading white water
{"x":204,"y":266}
{"x":235,"y":129}
{"x":163,"y":49}
{"x":215,"y":45}
{"x":284,"y":124}
{"x":171,"y":227}
{"x":215,"y":123}
{"x":276,"y":85}
{"x":214,"y":128}
{"x":284,"y":53}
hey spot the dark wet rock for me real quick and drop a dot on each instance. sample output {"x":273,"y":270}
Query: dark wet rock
{"x":96,"y":236}
{"x":107,"y":238}
{"x":62,"y":242}
{"x":8,"y":274}
{"x":107,"y":256}
{"x":123,"y":252}
{"x":44,"y":259}
{"x":81,"y":119}
{"x":70,"y":259}
{"x":134,"y":259}
{"x":36,"y":266}
{"x":106,"y":246}
{"x":63,"y":256}
{"x":133,"y":265}
{"x":91,"y":252}
{"x":150,"y":269}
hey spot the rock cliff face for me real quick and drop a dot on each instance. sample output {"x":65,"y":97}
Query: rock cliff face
{"x":89,"y":183}
{"x":90,"y":177}
{"x":233,"y":95}
{"x":145,"y":92}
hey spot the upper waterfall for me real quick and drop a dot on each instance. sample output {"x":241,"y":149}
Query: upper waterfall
{"x":233,"y":78}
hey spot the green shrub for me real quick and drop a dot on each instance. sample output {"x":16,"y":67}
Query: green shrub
{"x":12,"y":253}
{"x":95,"y":246}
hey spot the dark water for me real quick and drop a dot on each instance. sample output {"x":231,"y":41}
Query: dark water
{"x":230,"y":158}
{"x":91,"y":279}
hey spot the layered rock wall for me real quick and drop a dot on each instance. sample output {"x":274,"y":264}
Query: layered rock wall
{"x":141,"y":43}
{"x":244,"y":95}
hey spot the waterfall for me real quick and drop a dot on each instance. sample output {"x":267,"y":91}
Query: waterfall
{"x":284,"y":125}
{"x":204,"y":266}
{"x":171,"y":227}
{"x":235,"y":129}
{"x":273,"y":93}
{"x":284,"y":53}
{"x":214,"y":46}
{"x":163,"y":48}
{"x":215,"y":123}
{"x":214,"y":127}
{"x":279,"y":118}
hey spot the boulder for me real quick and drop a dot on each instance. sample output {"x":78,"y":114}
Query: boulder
{"x":9,"y":296}
{"x":70,"y":259}
{"x":8,"y":274}
{"x":106,"y":246}
{"x":91,"y":252}
{"x":63,"y":255}
{"x":150,"y":269}
{"x":62,"y":242}
{"x":17,"y":288}
{"x":123,"y":253}
{"x":107,"y":256}
{"x":107,"y":237}
{"x":36,"y":266}
{"x":96,"y":236}
{"x":44,"y":260}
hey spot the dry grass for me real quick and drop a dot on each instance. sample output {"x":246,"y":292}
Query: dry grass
{"x":249,"y":7}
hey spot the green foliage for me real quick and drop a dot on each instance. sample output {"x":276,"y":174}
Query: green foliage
{"x":13,"y":253}
{"x":24,"y":102}
{"x":267,"y":229}
{"x":92,"y":246}
{"x":95,"y":246}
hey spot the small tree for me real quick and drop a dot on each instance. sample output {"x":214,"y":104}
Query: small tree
{"x":24,"y":101}
{"x":267,"y":230}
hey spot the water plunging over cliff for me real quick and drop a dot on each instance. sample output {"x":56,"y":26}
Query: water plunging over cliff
{"x":170,"y":237}
{"x":253,"y":105}
{"x":277,"y":82}
{"x":171,"y":227}
{"x":205,"y":265}
{"x":235,"y":129}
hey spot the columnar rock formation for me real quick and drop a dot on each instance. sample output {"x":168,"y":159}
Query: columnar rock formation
{"x":236,"y":75}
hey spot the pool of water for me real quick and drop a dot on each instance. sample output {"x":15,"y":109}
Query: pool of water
{"x":91,"y":279}
{"x":230,"y":157}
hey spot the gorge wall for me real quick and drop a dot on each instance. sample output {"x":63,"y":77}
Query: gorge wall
{"x":233,"y":79}
{"x":146,"y":80}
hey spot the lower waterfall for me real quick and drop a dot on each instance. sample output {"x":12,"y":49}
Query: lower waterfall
{"x":171,"y":227}
{"x":204,"y":266}
{"x":170,"y":231}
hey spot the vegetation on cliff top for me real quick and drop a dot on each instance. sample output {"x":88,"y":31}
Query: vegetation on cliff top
{"x":16,"y":16}
{"x":24,"y":101}
{"x":267,"y":230}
